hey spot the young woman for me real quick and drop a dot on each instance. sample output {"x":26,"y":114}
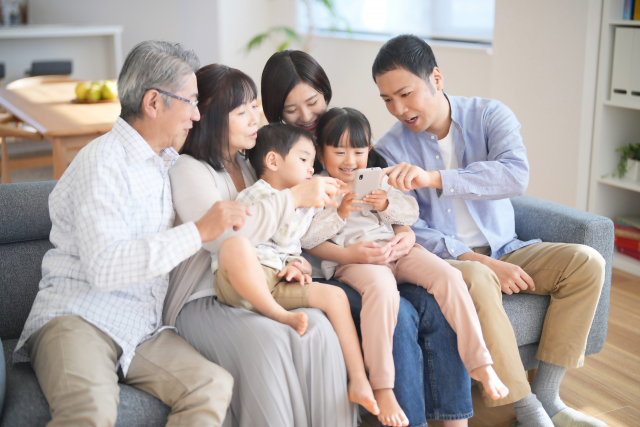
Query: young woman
{"x":280,"y":378}
{"x":296,"y":90}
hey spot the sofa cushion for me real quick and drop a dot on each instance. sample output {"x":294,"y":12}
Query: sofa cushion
{"x":25,"y":211}
{"x":20,"y":264}
{"x":526,"y":314}
{"x":26,"y":406}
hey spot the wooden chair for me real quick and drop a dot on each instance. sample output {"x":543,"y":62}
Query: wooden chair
{"x":29,"y":151}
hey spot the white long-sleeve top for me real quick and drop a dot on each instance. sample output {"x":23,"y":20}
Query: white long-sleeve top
{"x":370,"y":226}
{"x":284,"y":245}
{"x":196,"y":187}
{"x":114,"y":247}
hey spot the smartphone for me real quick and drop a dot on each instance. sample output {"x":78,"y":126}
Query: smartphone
{"x":367,"y":180}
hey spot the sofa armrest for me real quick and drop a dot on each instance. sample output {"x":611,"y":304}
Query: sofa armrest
{"x":552,"y":222}
{"x":3,"y":377}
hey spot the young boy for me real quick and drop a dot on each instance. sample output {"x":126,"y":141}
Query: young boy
{"x":272,"y":283}
{"x":462,"y":159}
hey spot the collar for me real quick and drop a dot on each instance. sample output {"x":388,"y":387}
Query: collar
{"x":455,"y":107}
{"x":134,"y":144}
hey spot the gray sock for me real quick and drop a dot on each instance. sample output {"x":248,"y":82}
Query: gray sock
{"x":546,"y":387}
{"x":530,"y":413}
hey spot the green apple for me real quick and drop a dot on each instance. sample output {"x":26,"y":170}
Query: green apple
{"x":81,"y":91}
{"x":95,"y":93}
{"x":109,"y":90}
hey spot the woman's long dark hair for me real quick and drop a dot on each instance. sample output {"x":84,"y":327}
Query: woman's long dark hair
{"x":221,"y":89}
{"x":335,"y":122}
{"x":282,"y":72}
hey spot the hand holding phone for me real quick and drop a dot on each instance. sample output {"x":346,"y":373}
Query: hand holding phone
{"x":367,"y":181}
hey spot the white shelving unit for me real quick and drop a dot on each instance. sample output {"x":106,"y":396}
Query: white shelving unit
{"x":616,"y":124}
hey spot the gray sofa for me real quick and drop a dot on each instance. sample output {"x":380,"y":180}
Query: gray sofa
{"x":24,"y":239}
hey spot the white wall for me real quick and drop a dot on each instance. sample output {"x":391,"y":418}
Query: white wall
{"x":542,"y":65}
{"x":544,"y":68}
{"x":192,"y":23}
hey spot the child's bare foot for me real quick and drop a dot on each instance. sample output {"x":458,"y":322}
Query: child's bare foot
{"x":297,"y":321}
{"x":391,"y":414}
{"x":490,"y":381}
{"x":360,"y":392}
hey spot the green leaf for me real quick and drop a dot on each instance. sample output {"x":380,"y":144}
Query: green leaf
{"x":328,"y":4}
{"x":283,"y":46}
{"x":628,"y":152}
{"x":257,"y":41}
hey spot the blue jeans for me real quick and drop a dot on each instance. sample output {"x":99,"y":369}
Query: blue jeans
{"x":423,"y":342}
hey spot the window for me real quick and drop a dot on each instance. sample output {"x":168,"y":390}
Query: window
{"x":458,"y":20}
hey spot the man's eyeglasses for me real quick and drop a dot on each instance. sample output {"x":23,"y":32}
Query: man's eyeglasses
{"x":193,"y":104}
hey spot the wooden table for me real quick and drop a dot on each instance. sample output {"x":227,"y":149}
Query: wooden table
{"x":69,"y":126}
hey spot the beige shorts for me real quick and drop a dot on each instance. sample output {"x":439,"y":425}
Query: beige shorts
{"x":289,"y":295}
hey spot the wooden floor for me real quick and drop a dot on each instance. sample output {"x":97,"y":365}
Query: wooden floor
{"x":608,"y":386}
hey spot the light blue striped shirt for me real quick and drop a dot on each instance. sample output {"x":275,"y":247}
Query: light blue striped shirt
{"x":493,"y":168}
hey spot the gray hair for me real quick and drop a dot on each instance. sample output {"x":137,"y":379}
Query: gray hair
{"x":153,"y":64}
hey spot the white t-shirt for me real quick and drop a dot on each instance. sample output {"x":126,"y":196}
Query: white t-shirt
{"x":467,"y":230}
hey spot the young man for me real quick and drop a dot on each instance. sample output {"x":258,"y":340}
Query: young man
{"x":466,"y":159}
{"x":98,"y":314}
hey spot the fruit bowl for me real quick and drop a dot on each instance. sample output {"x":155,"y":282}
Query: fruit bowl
{"x":96,"y":91}
{"x":102,"y":101}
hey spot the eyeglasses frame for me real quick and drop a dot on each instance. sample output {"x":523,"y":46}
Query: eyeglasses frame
{"x":193,"y":104}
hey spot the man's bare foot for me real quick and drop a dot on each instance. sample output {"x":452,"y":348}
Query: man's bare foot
{"x":297,"y":321}
{"x":360,"y":392}
{"x":391,"y":414}
{"x":490,"y":381}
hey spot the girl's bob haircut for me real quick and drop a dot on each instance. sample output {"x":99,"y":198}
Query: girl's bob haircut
{"x":335,"y":122}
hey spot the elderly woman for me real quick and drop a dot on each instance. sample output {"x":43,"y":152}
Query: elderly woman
{"x":281,"y":379}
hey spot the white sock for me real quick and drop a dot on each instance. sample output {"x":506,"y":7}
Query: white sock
{"x":546,"y":387}
{"x":530,"y":413}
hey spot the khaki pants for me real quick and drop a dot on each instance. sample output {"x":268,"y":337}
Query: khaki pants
{"x":75,"y":365}
{"x":289,"y":295}
{"x":572,"y":275}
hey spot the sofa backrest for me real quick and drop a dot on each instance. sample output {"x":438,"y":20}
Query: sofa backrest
{"x":24,"y":239}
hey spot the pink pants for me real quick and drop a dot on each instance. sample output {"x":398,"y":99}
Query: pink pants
{"x":380,"y":300}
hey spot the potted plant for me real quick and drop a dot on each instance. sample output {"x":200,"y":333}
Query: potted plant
{"x":629,"y":162}
{"x":290,"y":36}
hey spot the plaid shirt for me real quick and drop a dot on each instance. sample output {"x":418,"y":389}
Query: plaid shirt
{"x":285,"y":244}
{"x":114,"y":247}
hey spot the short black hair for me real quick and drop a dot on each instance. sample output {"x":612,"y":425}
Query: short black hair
{"x":335,"y":122}
{"x":221,"y":89}
{"x":282,"y":72}
{"x":276,"y":137}
{"x":408,"y":52}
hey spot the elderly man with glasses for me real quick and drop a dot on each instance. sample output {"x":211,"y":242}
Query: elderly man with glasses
{"x":98,"y":314}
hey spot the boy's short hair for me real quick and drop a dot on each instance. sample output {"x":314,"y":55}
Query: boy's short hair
{"x":408,"y":52}
{"x":276,"y":137}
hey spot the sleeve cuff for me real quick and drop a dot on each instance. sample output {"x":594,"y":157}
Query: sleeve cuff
{"x":453,"y":249}
{"x":190,"y":240}
{"x":453,"y":186}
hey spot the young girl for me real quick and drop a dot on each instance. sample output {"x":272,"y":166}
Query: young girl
{"x":343,"y":139}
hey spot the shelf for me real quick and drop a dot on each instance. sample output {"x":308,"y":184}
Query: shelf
{"x":625,"y":23}
{"x":626,"y":263}
{"x":627,"y":184}
{"x":621,"y":105}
